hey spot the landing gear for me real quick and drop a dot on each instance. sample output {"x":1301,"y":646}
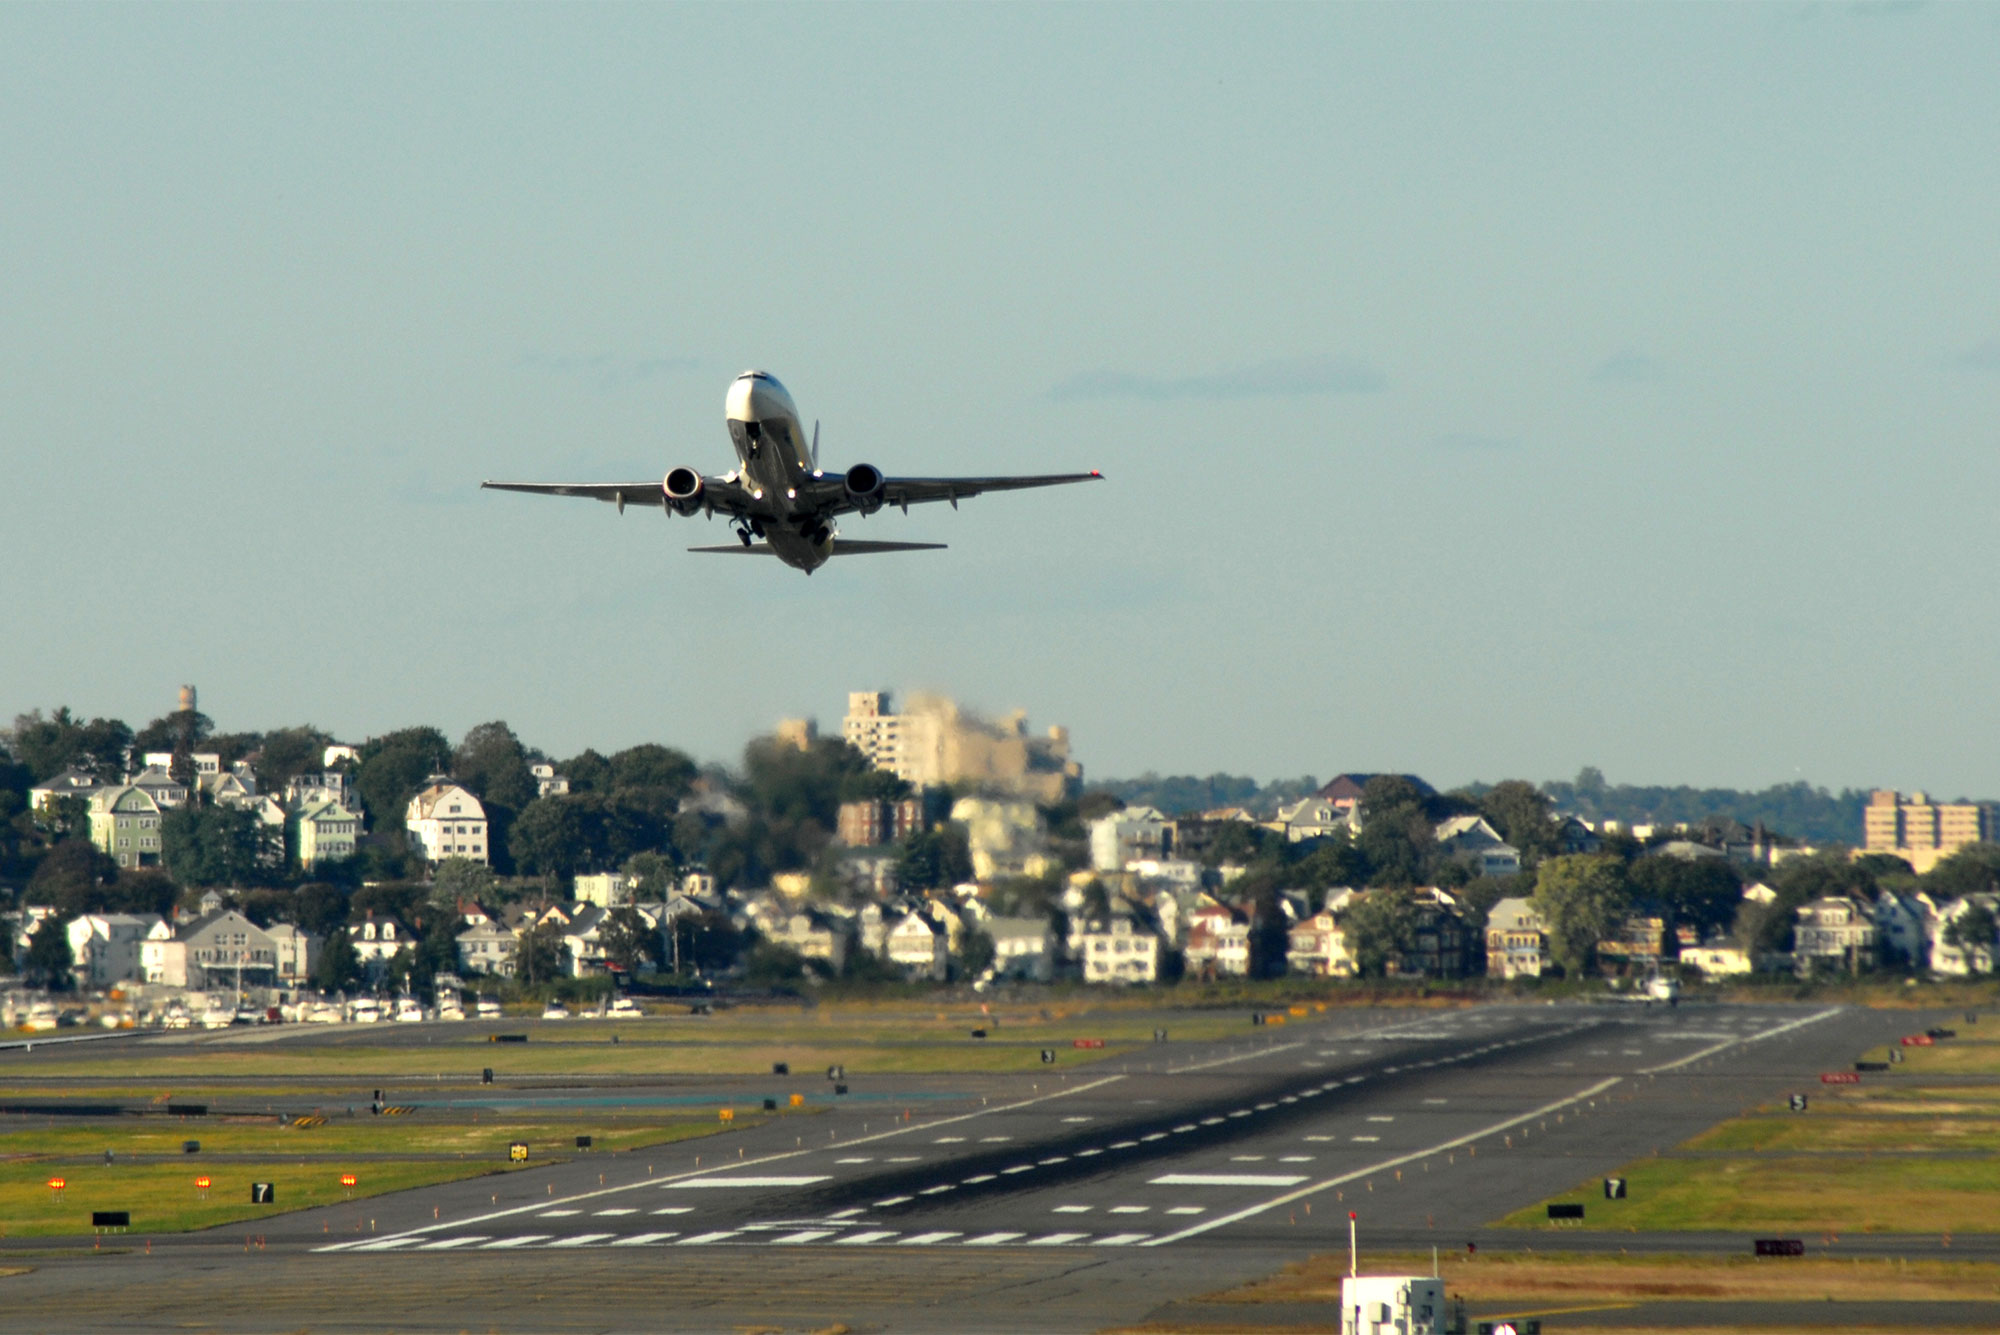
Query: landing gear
{"x":743,"y":536}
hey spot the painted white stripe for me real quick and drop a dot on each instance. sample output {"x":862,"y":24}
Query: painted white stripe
{"x":384,"y":1244}
{"x":1054,"y":1240}
{"x":1129,"y":1209}
{"x":341,"y":1246}
{"x":927,"y":1239}
{"x":859,"y":1239}
{"x":1121,"y":1239}
{"x":894,"y":1200}
{"x":446,"y":1244}
{"x":992,"y":1239}
{"x":1228,"y":1180}
{"x":982,"y":1177}
{"x":581,"y":1240}
{"x":674,"y":1209}
{"x":801,"y":1180}
{"x":559,"y":1214}
{"x":804,"y":1235}
{"x":641,"y":1239}
{"x":700,"y":1238}
{"x":1073,"y":1209}
{"x":623,"y":1209}
{"x":522,"y":1241}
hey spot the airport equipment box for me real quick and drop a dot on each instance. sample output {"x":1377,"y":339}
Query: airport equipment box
{"x":1391,"y":1305}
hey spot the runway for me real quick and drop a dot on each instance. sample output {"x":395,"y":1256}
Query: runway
{"x":1069,"y":1200}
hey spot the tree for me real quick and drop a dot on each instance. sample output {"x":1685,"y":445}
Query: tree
{"x":394,"y":769}
{"x":48,"y":960}
{"x":656,"y":777}
{"x":1579,"y":898}
{"x":458,"y":880}
{"x":1973,"y":869}
{"x":1381,"y":928}
{"x":976,"y":952}
{"x":338,"y":967}
{"x":180,"y":732}
{"x":1973,"y":931}
{"x":62,"y":741}
{"x":216,"y":845}
{"x":493,"y":764}
{"x":288,"y":753}
{"x":1702,"y":893}
{"x":1523,"y":815}
{"x":70,"y":876}
{"x":320,"y":908}
{"x":628,"y":942}
{"x":541,"y":956}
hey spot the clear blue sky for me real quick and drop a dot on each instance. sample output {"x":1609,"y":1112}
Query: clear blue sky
{"x":1484,"y":390}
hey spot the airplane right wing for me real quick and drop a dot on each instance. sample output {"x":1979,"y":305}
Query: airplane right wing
{"x":904,"y":492}
{"x":718,"y":493}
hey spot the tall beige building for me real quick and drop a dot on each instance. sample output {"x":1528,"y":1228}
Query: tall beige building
{"x":1920,"y":831}
{"x":934,"y":742}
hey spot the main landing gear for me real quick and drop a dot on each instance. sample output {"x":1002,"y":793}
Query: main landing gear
{"x":745,"y":528}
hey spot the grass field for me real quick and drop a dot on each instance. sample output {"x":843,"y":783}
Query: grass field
{"x":864,"y":1039}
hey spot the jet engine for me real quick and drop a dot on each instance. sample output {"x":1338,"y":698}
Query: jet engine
{"x":864,"y":488}
{"x":683,"y":487}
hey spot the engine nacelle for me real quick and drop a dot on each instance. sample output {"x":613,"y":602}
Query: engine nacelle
{"x":683,"y":488}
{"x":864,"y":488}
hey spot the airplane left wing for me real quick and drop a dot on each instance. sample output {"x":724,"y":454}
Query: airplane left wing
{"x":903,"y":492}
{"x":722,"y":494}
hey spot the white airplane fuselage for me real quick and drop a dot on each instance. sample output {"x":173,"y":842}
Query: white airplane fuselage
{"x":775,"y":459}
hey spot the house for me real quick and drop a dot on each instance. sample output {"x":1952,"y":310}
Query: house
{"x":1471,"y":839}
{"x":229,"y":788}
{"x":1837,"y":930}
{"x":1313,"y":818}
{"x":331,"y":786}
{"x":1574,"y":836}
{"x":487,"y":947}
{"x":1974,"y":952}
{"x":448,"y":822}
{"x":105,"y":948}
{"x":163,"y":957}
{"x":377,"y":941}
{"x":125,"y":825}
{"x":1903,"y":927}
{"x":1317,"y":947}
{"x":224,"y":946}
{"x":325,"y":831}
{"x":1344,"y":790}
{"x":161,"y":786}
{"x":815,"y":936}
{"x":548,"y":783}
{"x":69,"y":783}
{"x":607,"y":890}
{"x":870,"y":824}
{"x":1516,"y":943}
{"x":1023,"y":948}
{"x":1442,"y":940}
{"x":917,"y":947}
{"x":1637,"y":941}
{"x":1718,"y":958}
{"x":1120,"y":951}
{"x":1131,"y":835}
{"x":1218,"y":943}
{"x":297,"y":951}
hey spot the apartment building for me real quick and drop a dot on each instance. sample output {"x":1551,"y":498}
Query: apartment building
{"x":1920,"y":831}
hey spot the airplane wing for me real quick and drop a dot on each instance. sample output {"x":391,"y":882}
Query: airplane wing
{"x":718,"y":493}
{"x":841,"y":547}
{"x":903,"y":492}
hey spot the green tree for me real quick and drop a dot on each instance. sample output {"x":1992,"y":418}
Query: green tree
{"x":48,"y":960}
{"x":1381,"y":928}
{"x":394,"y":769}
{"x":541,"y":955}
{"x":1524,"y":817}
{"x":1974,"y":929}
{"x":287,"y":753}
{"x":628,"y":941}
{"x":457,"y":881}
{"x":493,"y":764}
{"x":976,"y":952}
{"x":1702,"y":893}
{"x":70,"y":877}
{"x":65,"y":817}
{"x":63,"y":741}
{"x":320,"y":908}
{"x":656,"y":777}
{"x":203,"y":846}
{"x":1972,"y":870}
{"x":180,"y":732}
{"x":338,"y":968}
{"x":1579,"y":898}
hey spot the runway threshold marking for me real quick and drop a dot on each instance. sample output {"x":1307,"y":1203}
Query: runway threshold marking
{"x":677,"y":1179}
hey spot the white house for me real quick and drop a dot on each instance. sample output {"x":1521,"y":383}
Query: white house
{"x":325,"y":831}
{"x":296,"y":949}
{"x":105,"y":947}
{"x":917,"y":947}
{"x":1132,"y":835}
{"x":487,"y":947}
{"x":1971,"y":957}
{"x":448,"y":822}
{"x":163,"y":956}
{"x":69,"y":783}
{"x":1471,"y":838}
{"x":1120,"y":951}
{"x":1218,"y":942}
{"x":1716,"y":959}
{"x":607,"y":890}
{"x":1836,"y":929}
{"x":1314,"y":818}
{"x":1023,"y":948}
{"x":1516,"y":940}
{"x":377,"y":941}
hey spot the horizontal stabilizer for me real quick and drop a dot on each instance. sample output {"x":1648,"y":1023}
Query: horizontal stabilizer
{"x":841,"y":547}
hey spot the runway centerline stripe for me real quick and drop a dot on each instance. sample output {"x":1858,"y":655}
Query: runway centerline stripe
{"x":1227,"y":1180}
{"x":802,"y":1180}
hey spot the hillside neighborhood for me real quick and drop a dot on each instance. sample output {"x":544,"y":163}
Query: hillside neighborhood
{"x":922,"y":846}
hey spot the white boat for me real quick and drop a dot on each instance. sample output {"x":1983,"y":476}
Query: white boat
{"x":409,"y":1011}
{"x":41,"y":1016}
{"x":218,"y":1017}
{"x":176,"y":1018}
{"x":451,"y":1010}
{"x":365,"y":1011}
{"x":624,"y":1008}
{"x":324,"y":1013}
{"x":488,"y":1009}
{"x":555,"y":1010}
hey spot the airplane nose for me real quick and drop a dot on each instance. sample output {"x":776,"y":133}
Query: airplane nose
{"x":757,"y":397}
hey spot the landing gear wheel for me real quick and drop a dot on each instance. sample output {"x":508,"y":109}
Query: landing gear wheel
{"x":743,"y":536}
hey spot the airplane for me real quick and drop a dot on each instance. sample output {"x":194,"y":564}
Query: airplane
{"x":779,"y":493}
